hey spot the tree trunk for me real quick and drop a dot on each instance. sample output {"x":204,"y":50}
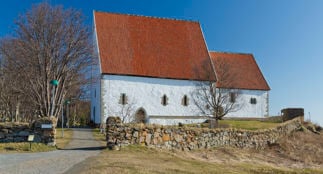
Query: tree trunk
{"x":216,"y":123}
{"x":212,"y":123}
{"x":17,"y":111}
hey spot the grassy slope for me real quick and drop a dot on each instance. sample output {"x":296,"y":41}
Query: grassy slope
{"x":136,"y":159}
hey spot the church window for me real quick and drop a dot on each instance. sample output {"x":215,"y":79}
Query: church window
{"x":185,"y":100}
{"x":232,"y":97}
{"x":164,"y":100}
{"x":253,"y":101}
{"x":123,"y":99}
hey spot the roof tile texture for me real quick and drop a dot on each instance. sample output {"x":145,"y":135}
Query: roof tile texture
{"x":167,"y":48}
{"x":238,"y":71}
{"x":147,"y":46}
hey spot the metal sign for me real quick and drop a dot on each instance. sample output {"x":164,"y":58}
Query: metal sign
{"x":31,"y":137}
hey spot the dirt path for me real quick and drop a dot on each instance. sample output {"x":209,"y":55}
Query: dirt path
{"x":82,"y":146}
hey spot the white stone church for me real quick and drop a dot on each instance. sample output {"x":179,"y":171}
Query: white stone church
{"x":146,"y":69}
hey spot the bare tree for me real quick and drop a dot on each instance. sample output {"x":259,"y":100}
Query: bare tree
{"x":210,"y":96}
{"x":49,"y":43}
{"x":125,"y":110}
{"x":78,"y":113}
{"x":11,"y":95}
{"x":127,"y":113}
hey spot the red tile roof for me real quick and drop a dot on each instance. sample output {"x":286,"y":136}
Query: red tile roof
{"x":239,"y":71}
{"x":147,"y":46}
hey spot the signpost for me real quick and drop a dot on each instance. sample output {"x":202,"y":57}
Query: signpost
{"x":30,"y":140}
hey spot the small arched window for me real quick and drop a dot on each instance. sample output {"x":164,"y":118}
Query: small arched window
{"x":164,"y":100}
{"x":185,"y":100}
{"x":233,"y":97}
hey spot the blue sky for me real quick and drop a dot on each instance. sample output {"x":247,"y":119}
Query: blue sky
{"x":285,"y":36}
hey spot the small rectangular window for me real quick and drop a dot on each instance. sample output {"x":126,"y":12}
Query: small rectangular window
{"x":232,"y":97}
{"x":123,"y":99}
{"x":253,"y":101}
{"x":185,"y":100}
{"x":164,"y":100}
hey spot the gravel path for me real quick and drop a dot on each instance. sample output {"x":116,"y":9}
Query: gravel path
{"x":81,"y":147}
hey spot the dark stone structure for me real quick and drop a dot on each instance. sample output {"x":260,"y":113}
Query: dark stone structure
{"x":291,"y":113}
{"x":43,"y":130}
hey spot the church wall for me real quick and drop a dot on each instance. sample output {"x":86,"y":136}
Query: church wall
{"x":259,"y":109}
{"x":147,"y":93}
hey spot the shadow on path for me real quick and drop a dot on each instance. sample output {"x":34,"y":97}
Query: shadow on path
{"x":86,"y":148}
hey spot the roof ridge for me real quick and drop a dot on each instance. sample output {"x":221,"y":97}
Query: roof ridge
{"x":154,"y":17}
{"x":228,"y":52}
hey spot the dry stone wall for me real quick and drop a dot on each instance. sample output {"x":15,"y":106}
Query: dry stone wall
{"x":19,"y":132}
{"x":187,"y":138}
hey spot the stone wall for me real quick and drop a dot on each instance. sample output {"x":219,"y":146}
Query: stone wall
{"x":19,"y":132}
{"x":188,"y":138}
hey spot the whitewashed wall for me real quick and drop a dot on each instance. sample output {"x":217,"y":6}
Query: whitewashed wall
{"x":252,"y":110}
{"x":95,"y":103}
{"x":146,"y":93}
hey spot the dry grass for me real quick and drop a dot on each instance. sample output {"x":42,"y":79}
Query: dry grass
{"x":24,"y":147}
{"x":137,"y":159}
{"x":61,"y":142}
{"x":304,"y":147}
